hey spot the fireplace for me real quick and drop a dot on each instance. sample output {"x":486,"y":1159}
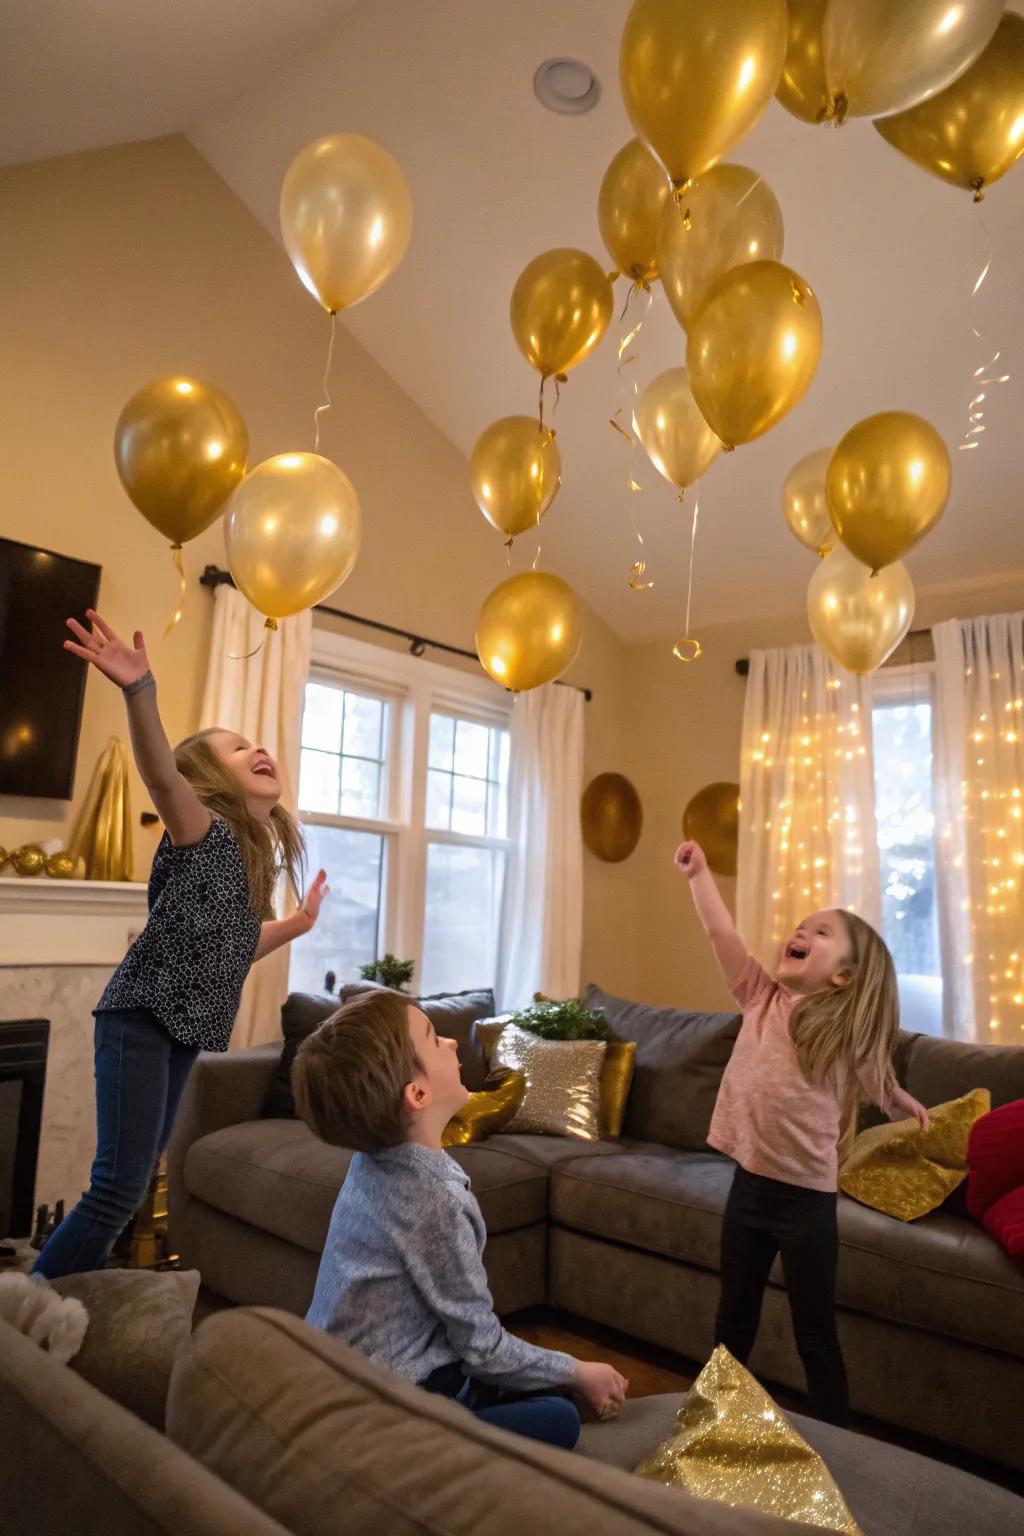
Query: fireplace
{"x":23,"y":1048}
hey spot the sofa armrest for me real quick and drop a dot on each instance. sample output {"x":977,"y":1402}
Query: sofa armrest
{"x":221,"y":1090}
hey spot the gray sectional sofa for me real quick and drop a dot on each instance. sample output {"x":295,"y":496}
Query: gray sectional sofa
{"x":627,"y":1233}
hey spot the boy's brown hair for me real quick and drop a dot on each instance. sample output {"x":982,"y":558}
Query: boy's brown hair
{"x":349,"y":1076}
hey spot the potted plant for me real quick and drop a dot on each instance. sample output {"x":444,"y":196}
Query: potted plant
{"x":389,"y":972}
{"x":569,"y":1020}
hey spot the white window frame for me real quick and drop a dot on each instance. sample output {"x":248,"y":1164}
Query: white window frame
{"x":414,"y":688}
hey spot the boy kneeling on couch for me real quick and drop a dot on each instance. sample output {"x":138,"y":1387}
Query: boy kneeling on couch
{"x":402,"y":1276}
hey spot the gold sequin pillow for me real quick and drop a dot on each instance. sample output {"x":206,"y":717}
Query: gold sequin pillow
{"x":616,"y":1074}
{"x":906,"y":1172}
{"x":485,"y":1114}
{"x":732,"y":1444}
{"x":563,"y":1083}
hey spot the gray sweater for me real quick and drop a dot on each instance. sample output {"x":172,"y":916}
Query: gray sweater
{"x":402,"y":1276}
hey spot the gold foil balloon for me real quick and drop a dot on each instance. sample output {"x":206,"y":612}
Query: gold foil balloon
{"x":753,"y":349}
{"x":803,"y":89}
{"x":883,"y":56}
{"x":728,"y":217}
{"x":611,"y":817}
{"x":675,"y":436}
{"x":101,"y":838}
{"x":529,"y":630}
{"x":696,"y":77}
{"x":712,"y":819}
{"x":346,"y":218}
{"x":805,"y":504}
{"x":859,"y":619}
{"x":972,"y":132}
{"x":180,"y":449}
{"x":633,"y":193}
{"x":28,"y":861}
{"x":515,"y":470}
{"x":292,"y":532}
{"x":485,"y":1114}
{"x":561,"y":305}
{"x":887,"y":484}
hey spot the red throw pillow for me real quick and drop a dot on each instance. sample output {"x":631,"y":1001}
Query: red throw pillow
{"x":995,"y":1157}
{"x":1005,"y":1221}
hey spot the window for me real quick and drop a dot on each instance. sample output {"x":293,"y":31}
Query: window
{"x":902,"y":730}
{"x":403,"y":795}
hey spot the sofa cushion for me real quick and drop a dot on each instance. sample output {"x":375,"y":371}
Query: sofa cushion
{"x":327,"y":1442}
{"x":452,"y":1015}
{"x":939,"y":1070}
{"x":276,"y":1175}
{"x":680,"y":1058}
{"x":548,"y":1151}
{"x":648,"y":1197}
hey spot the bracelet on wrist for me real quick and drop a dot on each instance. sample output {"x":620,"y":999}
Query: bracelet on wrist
{"x":147,"y":680}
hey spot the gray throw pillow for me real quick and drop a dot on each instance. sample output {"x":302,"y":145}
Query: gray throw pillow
{"x":680,"y":1058}
{"x":138,"y":1319}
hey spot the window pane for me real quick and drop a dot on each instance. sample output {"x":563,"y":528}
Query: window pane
{"x":906,"y":846}
{"x":471,"y":748}
{"x":321,"y":717}
{"x":469,"y":806}
{"x":360,"y":787}
{"x":364,"y":719}
{"x":346,"y":935}
{"x":318,"y":781}
{"x":439,"y":800}
{"x":442,"y":739}
{"x":463,"y":906}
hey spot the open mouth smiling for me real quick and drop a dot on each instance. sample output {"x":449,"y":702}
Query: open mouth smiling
{"x":796,"y":951}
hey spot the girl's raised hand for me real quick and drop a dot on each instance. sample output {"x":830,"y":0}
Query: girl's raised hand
{"x":122,"y":663}
{"x":315,"y":897}
{"x":690,"y":859}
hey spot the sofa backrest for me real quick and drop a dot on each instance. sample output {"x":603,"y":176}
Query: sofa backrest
{"x":330,"y":1444}
{"x":680,"y":1058}
{"x":939,"y":1070}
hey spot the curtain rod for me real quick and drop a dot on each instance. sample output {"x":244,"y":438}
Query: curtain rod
{"x":743,"y":662}
{"x":213,"y":576}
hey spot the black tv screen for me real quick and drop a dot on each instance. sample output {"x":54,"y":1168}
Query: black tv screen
{"x":41,"y":685}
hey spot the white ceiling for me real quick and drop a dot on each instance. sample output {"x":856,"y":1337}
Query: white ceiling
{"x":446,"y":86}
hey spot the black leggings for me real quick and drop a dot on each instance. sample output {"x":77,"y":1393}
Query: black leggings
{"x":764,"y":1217}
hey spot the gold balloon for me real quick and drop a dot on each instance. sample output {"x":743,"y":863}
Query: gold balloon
{"x":611,"y":817}
{"x":803,"y":89}
{"x":561,"y":305}
{"x":972,"y":132}
{"x":180,"y":449}
{"x":805,"y":504}
{"x":292,"y":532}
{"x":28,"y":860}
{"x":60,"y":866}
{"x":712,"y":819}
{"x":100,"y":845}
{"x":633,"y":193}
{"x":675,"y":436}
{"x":883,"y":56}
{"x":696,"y":77}
{"x":529,"y":630}
{"x":346,"y":218}
{"x":515,"y":471}
{"x":485,"y":1114}
{"x":728,"y":217}
{"x":859,"y":619}
{"x":753,"y":349}
{"x":887,"y":484}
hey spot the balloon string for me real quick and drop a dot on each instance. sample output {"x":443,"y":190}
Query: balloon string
{"x":269,"y":624}
{"x":689,"y":648}
{"x":626,"y":359}
{"x":983,"y":375}
{"x":326,"y":403}
{"x":179,"y":566}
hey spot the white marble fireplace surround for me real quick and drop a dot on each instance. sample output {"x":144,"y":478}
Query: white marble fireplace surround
{"x":59,"y":942}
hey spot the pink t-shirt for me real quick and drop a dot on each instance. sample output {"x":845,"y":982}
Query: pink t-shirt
{"x":768,"y":1117}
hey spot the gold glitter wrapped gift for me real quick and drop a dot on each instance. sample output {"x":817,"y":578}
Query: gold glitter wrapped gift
{"x":906,"y":1172}
{"x":485,"y":1114}
{"x":616,"y":1075}
{"x":732,"y":1444}
{"x":563,"y":1083}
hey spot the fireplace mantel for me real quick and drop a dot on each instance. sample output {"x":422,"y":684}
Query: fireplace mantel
{"x":68,"y":922}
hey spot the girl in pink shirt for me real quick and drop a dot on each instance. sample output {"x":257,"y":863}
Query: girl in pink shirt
{"x":814,"y":1040}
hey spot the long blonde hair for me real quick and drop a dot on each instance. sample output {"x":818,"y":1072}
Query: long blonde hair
{"x":849,"y":1032}
{"x":269,"y":849}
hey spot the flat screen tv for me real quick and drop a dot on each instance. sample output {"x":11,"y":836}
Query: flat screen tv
{"x":41,"y":685}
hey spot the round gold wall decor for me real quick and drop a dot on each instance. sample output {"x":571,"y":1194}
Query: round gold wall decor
{"x":712,"y":819}
{"x":611,"y":816}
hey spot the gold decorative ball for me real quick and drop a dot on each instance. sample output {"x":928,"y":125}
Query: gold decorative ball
{"x":60,"y":866}
{"x":3,"y":858}
{"x":28,"y":860}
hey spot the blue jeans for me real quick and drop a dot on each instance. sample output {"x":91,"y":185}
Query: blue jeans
{"x":140,"y":1074}
{"x":545,"y":1416}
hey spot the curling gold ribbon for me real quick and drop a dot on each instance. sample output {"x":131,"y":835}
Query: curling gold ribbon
{"x":179,"y":566}
{"x":560,"y":379}
{"x":636,"y":574}
{"x":326,"y":403}
{"x":270,"y":624}
{"x":688,"y":648}
{"x":982,"y":375}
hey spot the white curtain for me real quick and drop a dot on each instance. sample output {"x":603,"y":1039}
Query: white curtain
{"x":807,"y":797}
{"x":542,"y":910}
{"x":261,"y":697}
{"x":979,"y":789}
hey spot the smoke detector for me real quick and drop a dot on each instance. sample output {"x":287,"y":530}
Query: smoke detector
{"x":566,"y":85}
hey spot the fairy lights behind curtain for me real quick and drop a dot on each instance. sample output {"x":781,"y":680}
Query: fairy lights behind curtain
{"x":807,"y":797}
